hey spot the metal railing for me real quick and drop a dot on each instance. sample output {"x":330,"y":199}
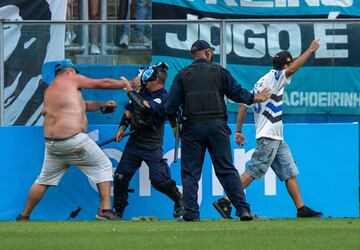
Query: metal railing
{"x":222,"y":23}
{"x":83,"y":9}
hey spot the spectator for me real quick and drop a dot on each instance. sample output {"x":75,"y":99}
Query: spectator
{"x":94,"y":14}
{"x":70,"y":35}
{"x":142,"y":13}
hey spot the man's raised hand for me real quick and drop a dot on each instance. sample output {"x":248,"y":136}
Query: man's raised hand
{"x":315,"y":44}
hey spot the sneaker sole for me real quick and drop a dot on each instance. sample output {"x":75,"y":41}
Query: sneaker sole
{"x":184,"y":220}
{"x":176,"y":216}
{"x":314,"y":216}
{"x":220,"y":211}
{"x":246,"y":218}
{"x":100,"y":218}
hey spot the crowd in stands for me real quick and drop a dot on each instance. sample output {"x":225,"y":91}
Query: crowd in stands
{"x":126,"y":10}
{"x":142,"y":13}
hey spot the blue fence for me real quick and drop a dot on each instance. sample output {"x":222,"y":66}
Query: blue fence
{"x":323,"y":153}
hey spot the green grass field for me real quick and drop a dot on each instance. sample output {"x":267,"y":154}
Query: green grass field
{"x":221,"y":234}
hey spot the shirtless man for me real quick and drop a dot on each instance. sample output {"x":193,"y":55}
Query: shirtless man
{"x":66,"y":141}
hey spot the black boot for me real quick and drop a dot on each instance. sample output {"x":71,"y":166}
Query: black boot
{"x":170,"y":189}
{"x":178,"y":208}
{"x":119,"y":208}
{"x":223,"y":206}
{"x":246,"y":215}
{"x":121,"y":185}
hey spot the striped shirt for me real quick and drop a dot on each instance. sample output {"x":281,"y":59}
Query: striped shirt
{"x":268,"y":114}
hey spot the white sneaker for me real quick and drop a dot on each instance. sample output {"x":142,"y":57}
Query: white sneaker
{"x":147,"y":41}
{"x":124,"y":41}
{"x":144,"y":40}
{"x":69,"y":38}
{"x":94,"y":49}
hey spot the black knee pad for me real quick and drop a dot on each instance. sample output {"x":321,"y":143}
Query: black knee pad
{"x":121,"y":184}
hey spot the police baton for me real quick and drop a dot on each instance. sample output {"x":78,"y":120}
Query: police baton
{"x":74,"y":213}
{"x":177,"y":137}
{"x":114,"y":139}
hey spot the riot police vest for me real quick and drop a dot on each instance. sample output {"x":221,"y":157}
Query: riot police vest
{"x":203,"y":94}
{"x":149,"y":129}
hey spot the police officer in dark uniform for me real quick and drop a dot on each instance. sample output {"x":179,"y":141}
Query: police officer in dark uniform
{"x":199,"y":90}
{"x":146,"y":115}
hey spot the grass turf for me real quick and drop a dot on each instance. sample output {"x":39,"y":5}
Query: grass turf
{"x":221,"y":234}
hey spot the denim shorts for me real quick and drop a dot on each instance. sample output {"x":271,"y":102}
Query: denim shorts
{"x":271,"y":153}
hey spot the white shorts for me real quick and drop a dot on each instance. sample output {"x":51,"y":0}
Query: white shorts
{"x":79,"y":151}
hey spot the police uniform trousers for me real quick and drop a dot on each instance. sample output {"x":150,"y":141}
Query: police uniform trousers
{"x":195,"y":139}
{"x":132,"y":158}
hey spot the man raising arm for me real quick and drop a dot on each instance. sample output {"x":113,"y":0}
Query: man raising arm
{"x":271,"y":149}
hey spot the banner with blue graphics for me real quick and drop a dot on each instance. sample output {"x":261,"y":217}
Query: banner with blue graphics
{"x":275,"y":8}
{"x":328,"y":83}
{"x":318,"y":155}
{"x":26,"y":48}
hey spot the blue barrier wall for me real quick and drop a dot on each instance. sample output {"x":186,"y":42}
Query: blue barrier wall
{"x":326,"y":154}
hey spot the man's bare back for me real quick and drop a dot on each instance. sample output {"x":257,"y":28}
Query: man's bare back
{"x":64,"y":106}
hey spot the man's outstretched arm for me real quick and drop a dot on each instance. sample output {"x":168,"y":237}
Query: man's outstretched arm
{"x":302,"y":59}
{"x":83,"y":82}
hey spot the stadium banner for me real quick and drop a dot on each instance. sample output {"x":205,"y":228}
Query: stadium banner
{"x":329,"y":83}
{"x":26,"y":48}
{"x":275,"y":8}
{"x":319,"y":157}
